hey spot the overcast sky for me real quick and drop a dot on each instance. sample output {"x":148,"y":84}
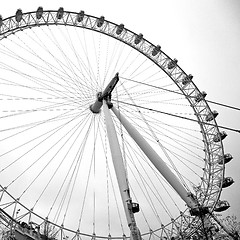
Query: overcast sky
{"x":203,"y":35}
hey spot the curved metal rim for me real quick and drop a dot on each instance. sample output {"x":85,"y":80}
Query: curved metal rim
{"x":213,"y":150}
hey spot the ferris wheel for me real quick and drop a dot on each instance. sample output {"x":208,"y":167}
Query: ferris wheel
{"x":102,"y":134}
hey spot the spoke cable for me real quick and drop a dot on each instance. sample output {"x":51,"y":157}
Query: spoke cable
{"x":50,"y":148}
{"x":36,"y":67}
{"x":180,"y":93}
{"x":174,"y":115}
{"x":78,"y":158}
{"x":64,"y":157}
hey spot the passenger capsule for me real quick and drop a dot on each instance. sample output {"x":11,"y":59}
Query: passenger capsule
{"x":134,"y":207}
{"x":119,"y":29}
{"x":18,"y":15}
{"x":212,"y":115}
{"x":80,"y":16}
{"x":156,"y":50}
{"x":39,"y":13}
{"x":172,"y":63}
{"x":1,"y":20}
{"x":199,"y":211}
{"x":219,"y":136}
{"x":187,"y":79}
{"x":200,"y":96}
{"x":225,"y":158}
{"x":100,"y":21}
{"x":221,"y":206}
{"x":138,"y":38}
{"x":227,"y":181}
{"x":60,"y":13}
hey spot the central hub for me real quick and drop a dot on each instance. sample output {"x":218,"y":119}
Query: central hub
{"x":105,"y":95}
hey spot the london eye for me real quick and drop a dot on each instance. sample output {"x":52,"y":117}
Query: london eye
{"x":102,"y":134}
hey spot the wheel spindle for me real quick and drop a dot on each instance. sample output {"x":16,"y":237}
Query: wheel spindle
{"x":95,"y":107}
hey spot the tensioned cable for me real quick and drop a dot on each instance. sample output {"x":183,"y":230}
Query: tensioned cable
{"x":56,"y":170}
{"x":180,"y":93}
{"x":145,"y":191}
{"x":95,"y":135}
{"x":87,"y":53}
{"x":224,"y":105}
{"x":104,"y":144}
{"x":39,"y":43}
{"x":63,"y":198}
{"x":53,"y":107}
{"x":35,"y":66}
{"x":175,"y":154}
{"x":145,"y":187}
{"x":98,"y":55}
{"x":138,"y":67}
{"x":69,"y":63}
{"x":153,"y":190}
{"x":38,"y":82}
{"x":164,"y":149}
{"x":142,"y":212}
{"x":160,"y":144}
{"x":158,"y":122}
{"x":53,"y":132}
{"x":44,"y":90}
{"x":165,"y":152}
{"x":110,"y":58}
{"x":82,"y":68}
{"x":174,"y":115}
{"x":34,"y":147}
{"x":85,"y":193}
{"x":86,"y":66}
{"x":78,"y":158}
{"x":115,"y":197}
{"x":74,"y":178}
{"x":77,"y":165}
{"x":32,"y":125}
{"x":166,"y":135}
{"x":80,"y":64}
{"x":180,"y":134}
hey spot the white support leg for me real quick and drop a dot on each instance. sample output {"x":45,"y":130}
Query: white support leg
{"x":156,"y":160}
{"x":120,"y":172}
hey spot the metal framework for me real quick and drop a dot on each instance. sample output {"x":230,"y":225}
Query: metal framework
{"x":213,"y":172}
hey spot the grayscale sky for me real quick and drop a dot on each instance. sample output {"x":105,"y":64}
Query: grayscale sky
{"x":203,"y":35}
